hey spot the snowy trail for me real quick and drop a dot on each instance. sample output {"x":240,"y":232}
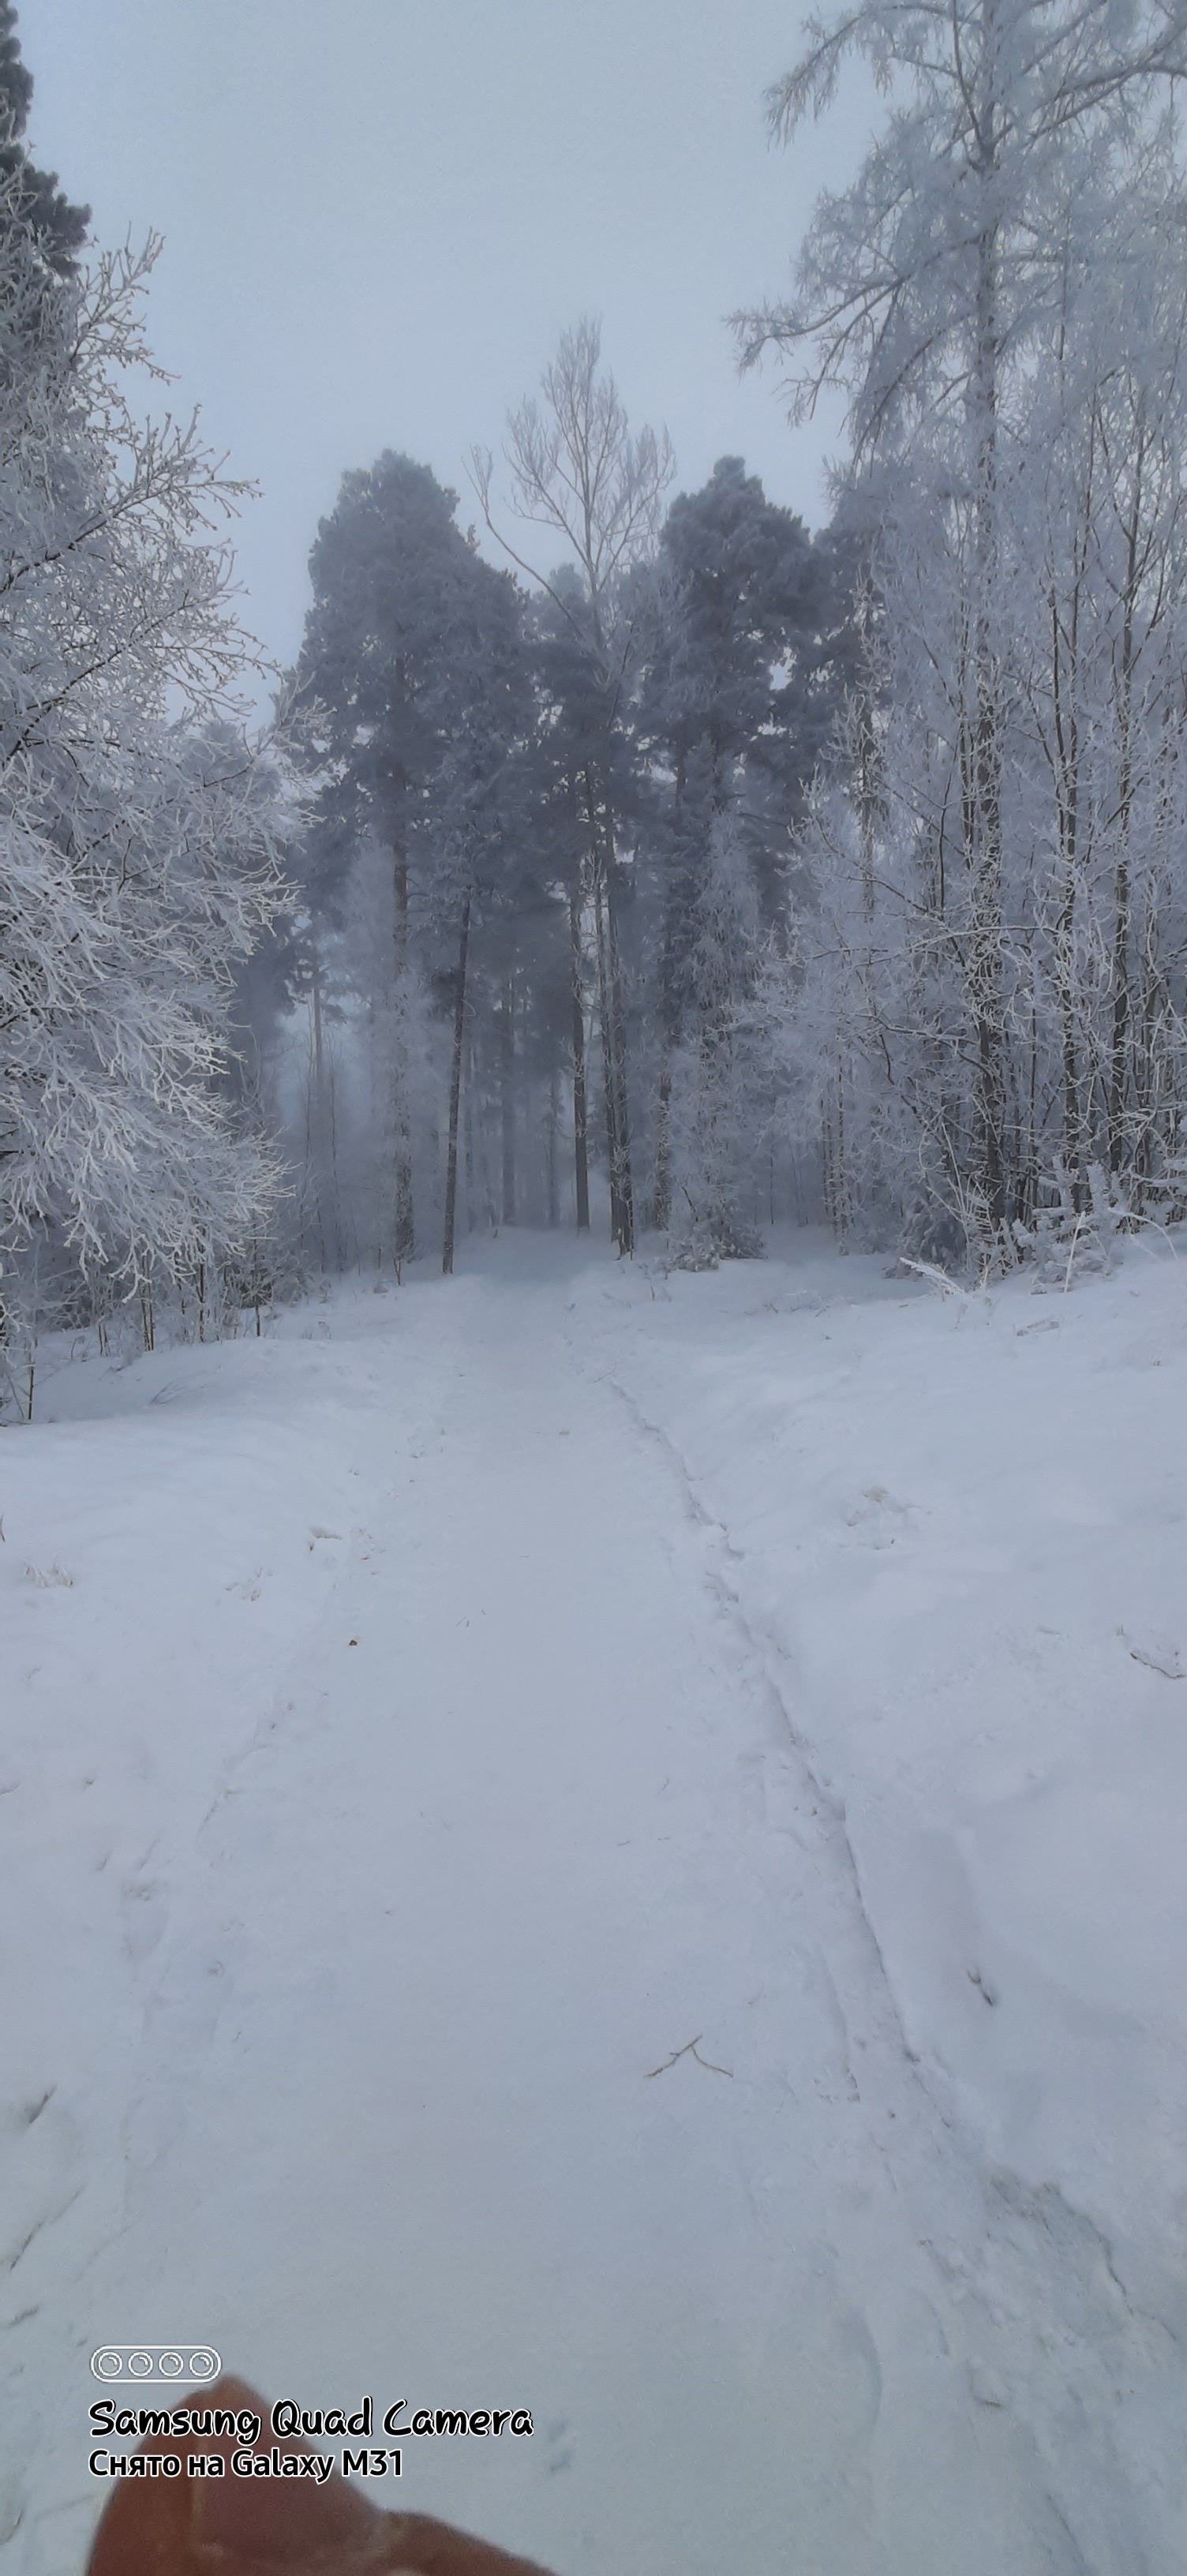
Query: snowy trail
{"x":524,"y":1816}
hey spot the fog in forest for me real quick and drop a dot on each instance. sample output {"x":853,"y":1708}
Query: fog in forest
{"x":593,"y":1156}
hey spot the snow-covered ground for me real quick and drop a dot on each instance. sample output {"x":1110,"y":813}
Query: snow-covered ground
{"x":422,"y":1723}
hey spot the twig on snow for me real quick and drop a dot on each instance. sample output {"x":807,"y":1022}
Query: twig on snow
{"x":690,"y":2049}
{"x":1171,"y":1672}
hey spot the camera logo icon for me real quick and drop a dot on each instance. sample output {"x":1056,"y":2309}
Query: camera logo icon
{"x":193,"y":2362}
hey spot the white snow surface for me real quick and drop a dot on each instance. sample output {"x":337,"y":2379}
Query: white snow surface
{"x":421,"y":1723}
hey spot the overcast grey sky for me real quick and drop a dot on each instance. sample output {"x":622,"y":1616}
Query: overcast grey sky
{"x":379,"y":215}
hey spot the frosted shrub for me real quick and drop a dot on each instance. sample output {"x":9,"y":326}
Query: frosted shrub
{"x":1066,"y":1242}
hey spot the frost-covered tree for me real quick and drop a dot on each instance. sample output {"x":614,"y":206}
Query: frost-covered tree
{"x":734,"y":706}
{"x":1103,"y":563}
{"x":139,"y":833}
{"x":983,"y":293}
{"x":415,"y":682}
{"x":385,"y":569}
{"x":717,"y":1075}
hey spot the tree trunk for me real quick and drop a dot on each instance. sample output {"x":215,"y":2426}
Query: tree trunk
{"x":601,"y":832}
{"x":866,"y":762}
{"x":580,"y":1113}
{"x":507,"y":1088}
{"x":404,"y":1240}
{"x":469,"y":1134}
{"x":455,"y":1089}
{"x":322,"y":1147}
{"x":661,"y":1205}
{"x":1121,"y":878}
{"x":554,"y":1114}
{"x":607,"y":1063}
{"x":1064,"y":700}
{"x":626,"y":1190}
{"x":985,"y":944}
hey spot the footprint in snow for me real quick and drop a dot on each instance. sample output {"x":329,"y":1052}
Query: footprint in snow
{"x":877,"y":1519}
{"x":559,"y":2448}
{"x":145,"y":1915}
{"x":44,"y":2165}
{"x":13,"y":2507}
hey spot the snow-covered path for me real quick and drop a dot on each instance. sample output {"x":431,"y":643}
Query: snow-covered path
{"x":518,"y":1813}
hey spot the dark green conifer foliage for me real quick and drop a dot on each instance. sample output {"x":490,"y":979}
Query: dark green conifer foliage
{"x":39,"y":202}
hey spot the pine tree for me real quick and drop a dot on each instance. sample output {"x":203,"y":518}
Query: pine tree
{"x":386,"y":568}
{"x":579,"y":473}
{"x":32,"y":198}
{"x":417,"y":702}
{"x":735,"y":703}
